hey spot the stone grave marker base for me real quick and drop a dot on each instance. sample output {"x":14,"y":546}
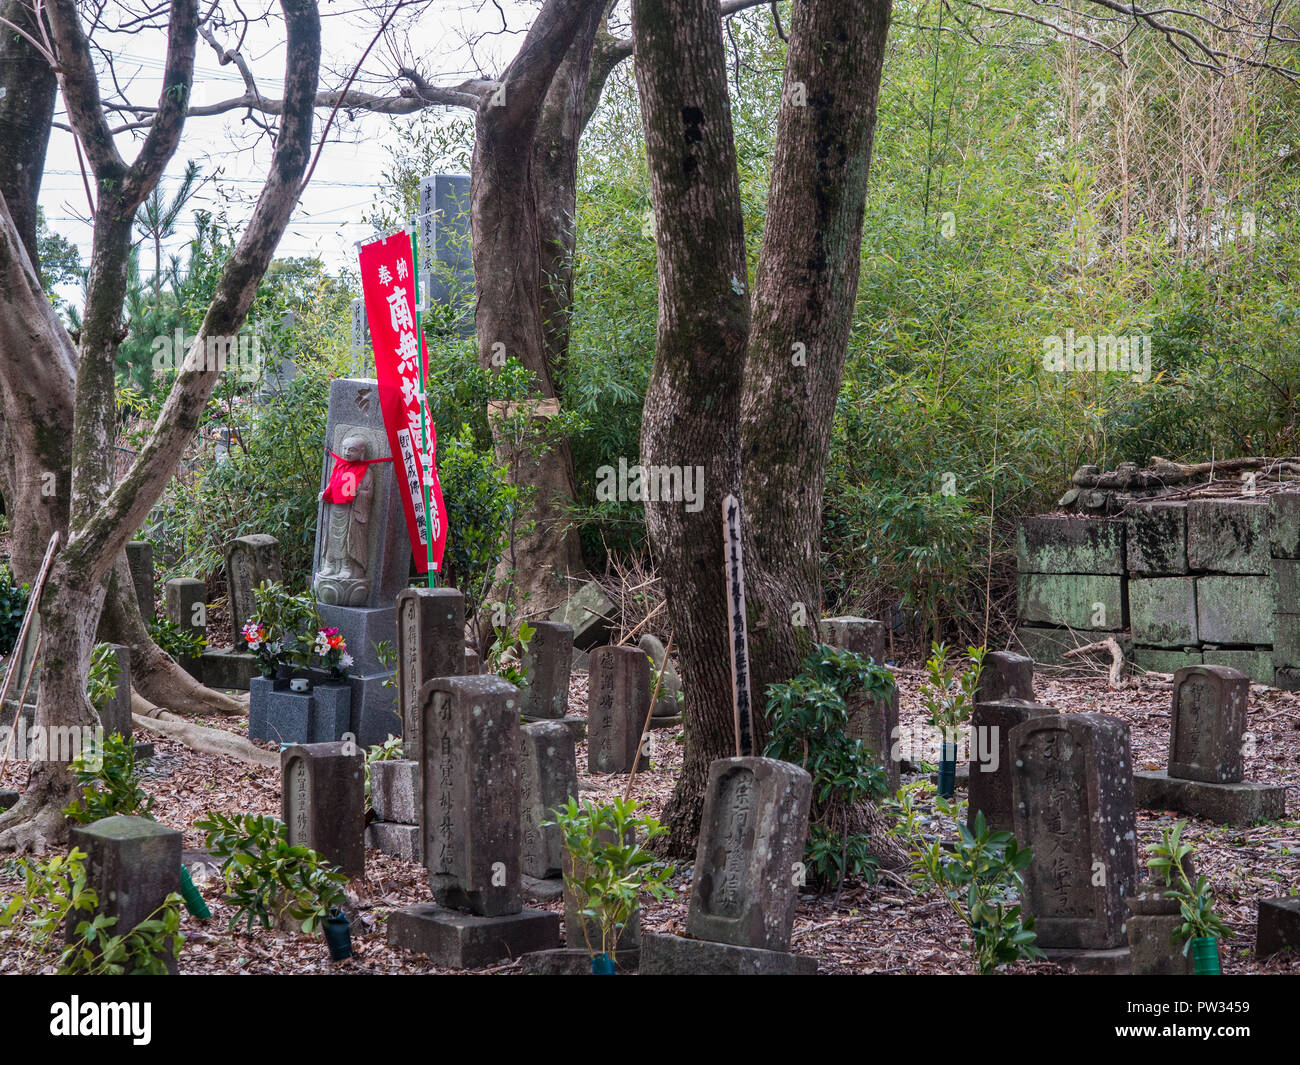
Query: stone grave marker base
{"x":456,"y":940}
{"x":1224,"y":804}
{"x":279,"y":715}
{"x":401,"y":841}
{"x":664,"y":955}
{"x":576,"y":725}
{"x":540,"y":890}
{"x":1277,"y":927}
{"x":1114,"y":962}
{"x":224,"y":667}
{"x":1152,"y":949}
{"x":565,"y":962}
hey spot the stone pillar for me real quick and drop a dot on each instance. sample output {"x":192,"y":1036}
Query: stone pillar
{"x":548,"y":779}
{"x":139,"y":556}
{"x":1207,"y":723}
{"x":430,"y":643}
{"x":547,"y":664}
{"x":187,"y":609}
{"x":1072,"y":788}
{"x":1005,"y":676}
{"x":619,"y":702}
{"x":861,"y":635}
{"x":873,"y":719}
{"x":992,"y":760}
{"x":116,"y":714}
{"x":322,"y":800}
{"x":133,"y":864}
{"x":250,"y":560}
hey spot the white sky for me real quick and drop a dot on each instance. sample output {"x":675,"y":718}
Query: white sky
{"x":328,"y":219}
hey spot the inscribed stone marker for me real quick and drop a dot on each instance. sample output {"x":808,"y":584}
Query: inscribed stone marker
{"x":547,"y":664}
{"x":548,"y":778}
{"x":250,"y":561}
{"x":1207,"y":723}
{"x":430,"y":643}
{"x":322,"y":800}
{"x":619,"y":700}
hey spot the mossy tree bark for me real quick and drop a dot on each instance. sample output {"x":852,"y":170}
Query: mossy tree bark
{"x":102,"y":514}
{"x":736,"y":394}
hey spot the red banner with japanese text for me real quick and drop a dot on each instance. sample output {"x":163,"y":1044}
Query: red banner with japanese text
{"x":401,"y":367}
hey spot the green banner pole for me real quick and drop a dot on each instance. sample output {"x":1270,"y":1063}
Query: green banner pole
{"x":424,"y":418}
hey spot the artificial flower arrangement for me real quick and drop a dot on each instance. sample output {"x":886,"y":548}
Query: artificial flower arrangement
{"x":333,"y":652}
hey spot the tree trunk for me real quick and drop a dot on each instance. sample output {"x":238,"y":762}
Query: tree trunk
{"x":805,"y":289}
{"x":506,"y":238}
{"x":692,"y":406}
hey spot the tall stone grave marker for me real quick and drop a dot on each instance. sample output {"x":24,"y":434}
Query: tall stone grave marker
{"x":862,"y":636}
{"x":322,"y":800}
{"x":139,"y":557}
{"x":187,"y":609}
{"x":250,"y":561}
{"x":992,"y":759}
{"x":548,"y":778}
{"x":1072,"y":785}
{"x":1005,"y":676}
{"x":547,"y":664}
{"x":430,"y":643}
{"x":620,"y":701}
{"x":471,"y":818}
{"x":748,"y":868}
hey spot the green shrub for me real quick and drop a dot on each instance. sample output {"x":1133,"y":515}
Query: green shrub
{"x":13,"y":605}
{"x":266,"y":878}
{"x":176,"y":641}
{"x":808,"y":717}
{"x":109,"y":779}
{"x":55,"y":888}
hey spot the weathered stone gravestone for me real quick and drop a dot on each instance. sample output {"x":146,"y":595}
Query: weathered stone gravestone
{"x":548,"y":778}
{"x":619,"y":702}
{"x":748,"y":868}
{"x":116,"y":713}
{"x":1005,"y":676}
{"x":395,"y":798}
{"x":132,"y":864}
{"x":139,"y":557}
{"x":1206,"y":753}
{"x":1277,"y":926}
{"x":547,"y":666}
{"x":471,"y":818}
{"x":992,"y":760}
{"x":445,"y":234}
{"x":250,"y":562}
{"x":590,"y":613}
{"x":187,"y":609}
{"x":861,"y":635}
{"x":1153,"y":951}
{"x":668,"y":705}
{"x":430,"y":643}
{"x":1072,"y":786}
{"x":873,"y":719}
{"x":322,"y":800}
{"x":362,"y":557}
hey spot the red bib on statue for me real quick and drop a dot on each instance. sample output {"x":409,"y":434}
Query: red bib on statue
{"x":345,"y":479}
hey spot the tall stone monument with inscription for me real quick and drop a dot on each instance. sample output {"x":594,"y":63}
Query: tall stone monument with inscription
{"x":362,"y":555}
{"x":748,"y":868}
{"x":1072,"y":790}
{"x":619,"y":702}
{"x":322,"y":801}
{"x":430,"y":643}
{"x":1207,"y":742}
{"x":471,"y":820}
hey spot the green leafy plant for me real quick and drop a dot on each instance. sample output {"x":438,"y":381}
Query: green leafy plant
{"x":506,"y":655}
{"x":808,"y":717}
{"x":101,"y":684}
{"x":266,"y":878}
{"x":610,"y":866}
{"x":391,"y":750}
{"x":13,"y":605}
{"x":176,"y":641}
{"x":980,"y":878}
{"x":387,"y":657}
{"x":282,"y":631}
{"x":56,"y":888}
{"x":947,"y":695}
{"x":1195,"y":900}
{"x":109,"y":779}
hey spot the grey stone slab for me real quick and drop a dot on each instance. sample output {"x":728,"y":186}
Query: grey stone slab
{"x":1277,"y":926}
{"x":401,"y":841}
{"x":1235,"y":610}
{"x":1224,"y":804}
{"x":664,"y":955}
{"x":1164,"y":660}
{"x":1112,"y":962}
{"x":1228,"y":535}
{"x":752,"y":835}
{"x":668,"y":701}
{"x":1208,"y":719}
{"x":1284,"y":528}
{"x":395,"y":790}
{"x":991,"y":761}
{"x":1286,"y":585}
{"x":456,"y":940}
{"x":873,"y":719}
{"x":1053,"y":543}
{"x":548,"y":779}
{"x":1286,"y":640}
{"x":1256,"y":664}
{"x":430,"y":643}
{"x":354,"y":413}
{"x":1005,"y":675}
{"x":1156,"y":541}
{"x":278,"y":715}
{"x":1078,"y":600}
{"x":863,"y":636}
{"x":619,"y":703}
{"x":362,"y":628}
{"x":139,"y":556}
{"x":1072,"y":794}
{"x":322,"y":800}
{"x":543,"y":891}
{"x":1152,"y":949}
{"x":470,"y":808}
{"x":116,"y":713}
{"x":224,"y":667}
{"x":133,"y":864}
{"x":250,"y":561}
{"x":547,"y":665}
{"x":590,"y":613}
{"x":566,"y":962}
{"x":1162,"y":611}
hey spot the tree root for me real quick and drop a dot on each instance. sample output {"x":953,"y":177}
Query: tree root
{"x":36,"y":822}
{"x":199,"y":737}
